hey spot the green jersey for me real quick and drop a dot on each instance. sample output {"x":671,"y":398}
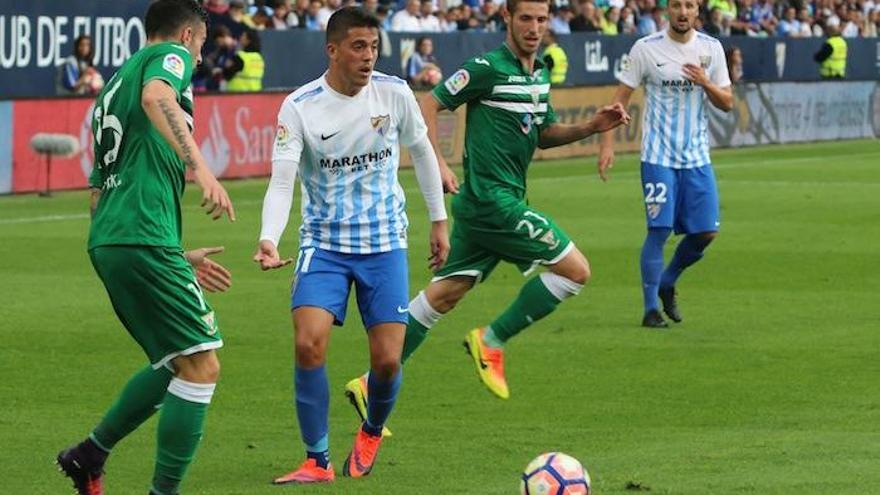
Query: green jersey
{"x":507,"y":109}
{"x":139,"y":174}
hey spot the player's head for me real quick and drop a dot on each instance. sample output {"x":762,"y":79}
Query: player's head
{"x":352,"y":45}
{"x":683,"y":15}
{"x":183,"y":21}
{"x":526,"y":20}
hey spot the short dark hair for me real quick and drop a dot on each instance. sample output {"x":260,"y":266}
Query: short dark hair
{"x":220,"y":31}
{"x":254,"y":44}
{"x":511,"y":4}
{"x":346,"y":18}
{"x":166,"y":17}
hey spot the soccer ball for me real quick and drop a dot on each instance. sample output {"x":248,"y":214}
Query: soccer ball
{"x":94,"y":81}
{"x":555,"y":473}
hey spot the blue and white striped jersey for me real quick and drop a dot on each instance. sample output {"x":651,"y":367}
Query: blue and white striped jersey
{"x":348,"y":149}
{"x":675,"y":128}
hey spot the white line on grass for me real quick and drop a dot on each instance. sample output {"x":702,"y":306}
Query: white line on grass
{"x":625,"y":173}
{"x":46,"y":218}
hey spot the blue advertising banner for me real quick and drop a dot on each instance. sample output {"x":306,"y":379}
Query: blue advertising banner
{"x":37,"y":35}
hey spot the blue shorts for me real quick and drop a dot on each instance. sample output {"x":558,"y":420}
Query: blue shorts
{"x":682,"y":199}
{"x":381,"y":280}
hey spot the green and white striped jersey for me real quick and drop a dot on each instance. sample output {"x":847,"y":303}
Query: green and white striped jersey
{"x":508,"y":108}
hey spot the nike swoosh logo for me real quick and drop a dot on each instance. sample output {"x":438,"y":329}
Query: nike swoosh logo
{"x":661,"y":65}
{"x":402,"y":310}
{"x":357,"y":463}
{"x":324,"y":138}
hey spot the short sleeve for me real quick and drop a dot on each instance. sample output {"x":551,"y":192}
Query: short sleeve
{"x":412,"y":126}
{"x":718,"y":74}
{"x":633,"y":67}
{"x":289,"y":134}
{"x":172,"y":65}
{"x":470,"y":82}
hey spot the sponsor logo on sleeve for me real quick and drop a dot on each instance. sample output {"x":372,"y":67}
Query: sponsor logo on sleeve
{"x":458,"y":81}
{"x":173,"y":63}
{"x":282,"y":136}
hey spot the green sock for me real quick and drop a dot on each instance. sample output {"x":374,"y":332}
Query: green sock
{"x":180,"y":430}
{"x":533,"y":303}
{"x":138,"y":401}
{"x":415,"y":335}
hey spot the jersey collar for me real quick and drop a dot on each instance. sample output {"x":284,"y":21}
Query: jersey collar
{"x":538,"y":64}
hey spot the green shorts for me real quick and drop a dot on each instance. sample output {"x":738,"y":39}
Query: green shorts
{"x":156,"y":296}
{"x":522,"y":236}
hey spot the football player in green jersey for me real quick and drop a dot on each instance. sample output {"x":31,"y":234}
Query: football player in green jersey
{"x":507,"y":92}
{"x":143,"y":148}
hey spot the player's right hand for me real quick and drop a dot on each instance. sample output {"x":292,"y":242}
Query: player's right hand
{"x":447,"y":177}
{"x":268,"y":258}
{"x":605,"y":162}
{"x":215,"y":199}
{"x":439,"y":240}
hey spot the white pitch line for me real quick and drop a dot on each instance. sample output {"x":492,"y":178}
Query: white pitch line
{"x":46,"y":218}
{"x":566,"y":178}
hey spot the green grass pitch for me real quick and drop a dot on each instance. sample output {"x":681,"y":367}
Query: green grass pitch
{"x":770,"y":386}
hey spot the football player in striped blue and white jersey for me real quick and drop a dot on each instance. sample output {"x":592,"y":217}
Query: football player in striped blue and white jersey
{"x":341,"y":134}
{"x":681,"y":69}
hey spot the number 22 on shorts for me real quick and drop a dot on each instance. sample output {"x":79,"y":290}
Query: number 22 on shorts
{"x":655,"y":192}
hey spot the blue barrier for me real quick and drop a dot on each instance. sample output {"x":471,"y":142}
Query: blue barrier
{"x":5,"y":146}
{"x":296,"y":57}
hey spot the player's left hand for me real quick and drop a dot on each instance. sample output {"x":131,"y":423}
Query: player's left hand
{"x":609,"y":117}
{"x":439,"y":245}
{"x":212,"y":276}
{"x":695,"y":74}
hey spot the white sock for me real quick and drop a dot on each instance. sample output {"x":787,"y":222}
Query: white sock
{"x":192,"y":392}
{"x":559,"y":286}
{"x":421,"y":310}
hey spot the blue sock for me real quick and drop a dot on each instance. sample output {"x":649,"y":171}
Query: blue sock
{"x":688,"y":252}
{"x":381,"y":397}
{"x":652,"y":265}
{"x":312,"y":404}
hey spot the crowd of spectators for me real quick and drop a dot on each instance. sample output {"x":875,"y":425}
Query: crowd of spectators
{"x":232,"y":20}
{"x":795,"y":18}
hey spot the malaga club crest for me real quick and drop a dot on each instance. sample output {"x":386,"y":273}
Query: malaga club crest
{"x":705,"y":61}
{"x":653,"y":210}
{"x":381,"y":124}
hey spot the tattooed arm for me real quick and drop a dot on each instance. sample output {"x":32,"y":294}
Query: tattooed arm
{"x":159,"y":102}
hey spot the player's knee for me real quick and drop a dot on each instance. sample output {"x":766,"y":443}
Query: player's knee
{"x":580,"y":274}
{"x":576,"y":270}
{"x":444,"y":297}
{"x":309,"y":351}
{"x":709,"y":236}
{"x":211,"y":371}
{"x":203,"y":367}
{"x":385,"y":367}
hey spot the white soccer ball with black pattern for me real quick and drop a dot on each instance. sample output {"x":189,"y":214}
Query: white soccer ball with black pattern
{"x":555,"y":473}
